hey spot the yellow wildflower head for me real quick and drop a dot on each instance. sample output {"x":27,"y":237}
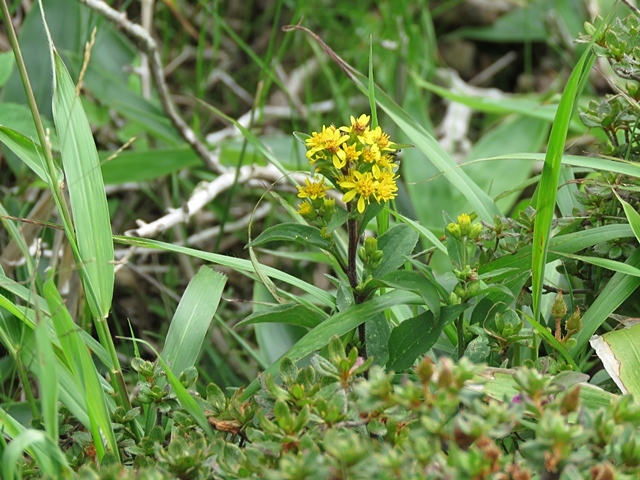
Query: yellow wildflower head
{"x":312,"y":190}
{"x":379,"y":138}
{"x":361,"y":184}
{"x":387,"y":187}
{"x":359,"y":126}
{"x":305,"y":208}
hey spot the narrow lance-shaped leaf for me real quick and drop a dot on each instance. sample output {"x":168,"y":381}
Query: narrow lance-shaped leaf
{"x":192,"y":319}
{"x":86,"y":192}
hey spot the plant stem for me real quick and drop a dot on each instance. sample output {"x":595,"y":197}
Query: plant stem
{"x":352,"y":274}
{"x":460,"y":328}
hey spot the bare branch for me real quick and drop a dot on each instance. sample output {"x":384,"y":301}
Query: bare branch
{"x":147,"y":45}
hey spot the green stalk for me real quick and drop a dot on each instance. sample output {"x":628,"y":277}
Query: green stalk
{"x":104,"y":336}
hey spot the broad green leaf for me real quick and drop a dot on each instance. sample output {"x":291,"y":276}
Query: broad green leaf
{"x":237,"y":264}
{"x":619,"y":351}
{"x":500,"y":384}
{"x":86,"y":192}
{"x":413,"y":282}
{"x":396,"y":244}
{"x":289,"y":313}
{"x":7,"y":63}
{"x":425,"y":232}
{"x":377,"y":331}
{"x":339,"y":324}
{"x":417,"y":335}
{"x":139,"y":166}
{"x":192,"y":319}
{"x":292,"y":232}
{"x":498,"y":301}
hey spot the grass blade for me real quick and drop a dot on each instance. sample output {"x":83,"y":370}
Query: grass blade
{"x":237,"y":264}
{"x":192,"y":319}
{"x":86,"y":192}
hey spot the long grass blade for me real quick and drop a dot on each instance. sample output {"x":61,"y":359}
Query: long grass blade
{"x":192,"y":319}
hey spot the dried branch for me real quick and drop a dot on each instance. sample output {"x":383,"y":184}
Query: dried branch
{"x":147,"y":45}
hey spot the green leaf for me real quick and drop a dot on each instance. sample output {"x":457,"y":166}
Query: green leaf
{"x":7,"y":63}
{"x":413,"y":282}
{"x":570,"y":243}
{"x":82,"y":370}
{"x":417,"y":335}
{"x":396,"y":244}
{"x":547,"y":189}
{"x":339,"y":324}
{"x":292,"y":232}
{"x":632,"y":216}
{"x":86,"y":192}
{"x":619,"y":351}
{"x":377,"y":332}
{"x":237,"y":264}
{"x":289,"y":313}
{"x":26,"y":149}
{"x":192,"y":319}
{"x":607,"y":263}
{"x":47,"y":379}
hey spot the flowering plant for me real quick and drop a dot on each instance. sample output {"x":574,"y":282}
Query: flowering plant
{"x":359,"y":161}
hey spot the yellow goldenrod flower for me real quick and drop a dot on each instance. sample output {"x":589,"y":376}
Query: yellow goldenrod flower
{"x":362,"y":184}
{"x":387,"y":187}
{"x":371,"y":154}
{"x":359,"y":126}
{"x":305,"y":208}
{"x":347,"y":153}
{"x":312,"y":190}
{"x":318,"y":141}
{"x":379,"y":138}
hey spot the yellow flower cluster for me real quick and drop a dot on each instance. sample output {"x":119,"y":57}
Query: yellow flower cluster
{"x":356,"y":159}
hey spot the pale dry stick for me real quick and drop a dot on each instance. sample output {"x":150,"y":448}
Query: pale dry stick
{"x":146,"y":22}
{"x":202,"y":195}
{"x":147,"y":45}
{"x":208,"y":234}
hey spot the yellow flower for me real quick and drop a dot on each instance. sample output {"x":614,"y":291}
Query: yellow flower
{"x":379,"y":138}
{"x":362,"y":184}
{"x":347,"y":153}
{"x":312,"y":190}
{"x":318,"y":140}
{"x":359,"y":126}
{"x":387,"y":188}
{"x":305,"y":208}
{"x":371,"y":154}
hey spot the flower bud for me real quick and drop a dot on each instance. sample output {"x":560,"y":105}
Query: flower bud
{"x":454,"y":230}
{"x":464,"y":221}
{"x":559,"y":307}
{"x":475,"y":230}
